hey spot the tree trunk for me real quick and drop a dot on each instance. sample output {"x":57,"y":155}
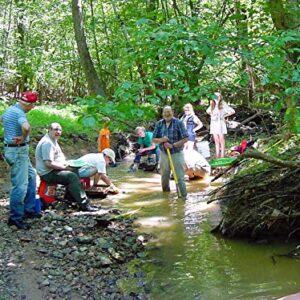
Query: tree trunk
{"x":94,"y":84}
{"x":242,"y":30}
{"x":127,"y":37}
{"x":286,"y":17}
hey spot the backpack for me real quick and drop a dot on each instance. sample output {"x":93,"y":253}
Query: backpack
{"x":150,"y":163}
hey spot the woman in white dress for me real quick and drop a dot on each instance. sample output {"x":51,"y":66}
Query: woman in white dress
{"x":218,"y":111}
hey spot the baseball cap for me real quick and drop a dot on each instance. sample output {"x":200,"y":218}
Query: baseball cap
{"x":29,"y":96}
{"x":110,"y":153}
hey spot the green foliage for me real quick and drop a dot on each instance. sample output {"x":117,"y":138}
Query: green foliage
{"x":148,"y":55}
{"x":123,"y":115}
{"x":42,"y":116}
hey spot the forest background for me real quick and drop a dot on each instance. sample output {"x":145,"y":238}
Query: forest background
{"x":127,"y":59}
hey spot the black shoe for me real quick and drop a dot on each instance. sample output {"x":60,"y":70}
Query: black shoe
{"x":32,"y":215}
{"x":18,"y":224}
{"x":88,"y":207}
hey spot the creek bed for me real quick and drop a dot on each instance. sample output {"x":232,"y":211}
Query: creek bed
{"x":185,"y":261}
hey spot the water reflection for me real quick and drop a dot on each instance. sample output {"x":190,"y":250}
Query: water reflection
{"x":185,"y":260}
{"x":193,"y":213}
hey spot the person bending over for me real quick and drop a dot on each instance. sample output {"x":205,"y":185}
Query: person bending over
{"x":96,"y":166}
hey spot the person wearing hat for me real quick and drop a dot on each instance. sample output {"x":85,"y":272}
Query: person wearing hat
{"x":95,"y":165}
{"x":16,"y":154}
{"x":52,"y":167}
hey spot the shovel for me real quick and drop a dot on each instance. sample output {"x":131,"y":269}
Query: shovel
{"x":173,"y":171}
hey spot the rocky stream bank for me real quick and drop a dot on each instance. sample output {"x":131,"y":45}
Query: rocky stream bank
{"x":68,"y":255}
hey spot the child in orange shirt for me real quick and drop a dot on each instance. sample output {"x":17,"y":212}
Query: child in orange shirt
{"x":103,"y":140}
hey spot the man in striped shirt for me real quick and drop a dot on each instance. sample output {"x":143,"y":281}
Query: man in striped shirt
{"x":16,"y":154}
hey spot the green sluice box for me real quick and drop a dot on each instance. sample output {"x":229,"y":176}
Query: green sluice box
{"x":76,"y":163}
{"x":222,"y":162}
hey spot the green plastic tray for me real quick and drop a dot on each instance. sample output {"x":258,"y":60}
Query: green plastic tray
{"x":76,"y":163}
{"x":222,"y":162}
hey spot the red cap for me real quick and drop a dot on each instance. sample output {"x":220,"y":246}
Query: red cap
{"x":30,"y":97}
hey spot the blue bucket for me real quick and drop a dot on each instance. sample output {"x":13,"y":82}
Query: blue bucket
{"x":38,"y":206}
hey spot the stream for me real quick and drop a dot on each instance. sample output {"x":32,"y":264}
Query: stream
{"x":184,"y":260}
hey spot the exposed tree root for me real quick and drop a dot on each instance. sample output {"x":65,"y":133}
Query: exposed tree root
{"x":262,"y":204}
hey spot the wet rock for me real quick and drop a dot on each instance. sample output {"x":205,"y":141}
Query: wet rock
{"x":53,"y":289}
{"x":115,"y":254}
{"x":46,"y":282}
{"x":103,"y":243}
{"x":84,"y":239}
{"x":68,"y":228}
{"x":102,"y":260}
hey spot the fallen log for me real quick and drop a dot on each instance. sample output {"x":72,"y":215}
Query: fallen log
{"x":269,"y":158}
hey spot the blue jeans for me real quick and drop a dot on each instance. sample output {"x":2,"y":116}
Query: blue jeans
{"x":87,"y":171}
{"x":155,"y":151}
{"x":23,"y":181}
{"x":165,"y":171}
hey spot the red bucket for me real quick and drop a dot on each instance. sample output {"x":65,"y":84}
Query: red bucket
{"x":47,"y":192}
{"x":86,"y":182}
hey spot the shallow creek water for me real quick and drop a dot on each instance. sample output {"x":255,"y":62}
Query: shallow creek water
{"x":184,"y":260}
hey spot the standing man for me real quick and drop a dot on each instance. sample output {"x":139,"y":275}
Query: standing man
{"x":16,"y":154}
{"x":170,"y":133}
{"x":52,"y":168}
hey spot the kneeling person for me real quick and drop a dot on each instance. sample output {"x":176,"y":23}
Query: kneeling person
{"x":196,"y":166}
{"x":52,"y":168}
{"x":96,"y":166}
{"x":147,"y":147}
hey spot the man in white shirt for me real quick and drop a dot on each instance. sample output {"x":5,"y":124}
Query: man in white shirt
{"x":52,"y":167}
{"x":96,"y":166}
{"x":195,"y":164}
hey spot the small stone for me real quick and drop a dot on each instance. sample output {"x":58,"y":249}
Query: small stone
{"x":63,"y":243}
{"x":11,"y":264}
{"x":68,"y":228}
{"x":46,"y":282}
{"x":66,"y":290}
{"x":58,"y":255}
{"x":84,"y":239}
{"x":53,"y":289}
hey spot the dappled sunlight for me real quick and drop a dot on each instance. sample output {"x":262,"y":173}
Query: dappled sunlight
{"x":138,"y":187}
{"x":55,"y":111}
{"x":144,"y":203}
{"x":155,"y":222}
{"x":155,"y":179}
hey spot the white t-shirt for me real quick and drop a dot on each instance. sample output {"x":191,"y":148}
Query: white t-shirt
{"x":95,"y":160}
{"x":193,"y":158}
{"x":47,"y":149}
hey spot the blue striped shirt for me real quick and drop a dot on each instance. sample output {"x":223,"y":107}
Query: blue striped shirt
{"x":175,"y":132}
{"x":12,"y":119}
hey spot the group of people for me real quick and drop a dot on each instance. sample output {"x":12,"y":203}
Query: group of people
{"x":171,"y":134}
{"x":179,"y":136}
{"x":51,"y":164}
